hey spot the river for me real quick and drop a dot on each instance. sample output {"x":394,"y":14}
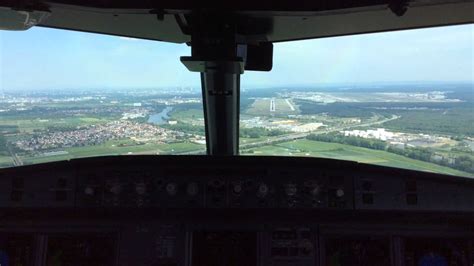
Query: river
{"x":161,"y":117}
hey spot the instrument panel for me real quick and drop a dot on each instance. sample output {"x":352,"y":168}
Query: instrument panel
{"x":171,"y":245}
{"x":199,"y":210}
{"x":178,"y":184}
{"x":261,"y":189}
{"x":196,"y":182}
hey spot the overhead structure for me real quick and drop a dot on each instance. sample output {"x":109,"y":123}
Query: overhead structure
{"x":221,"y":54}
{"x":268,"y":21}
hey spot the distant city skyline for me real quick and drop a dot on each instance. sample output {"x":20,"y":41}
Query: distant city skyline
{"x":43,"y":58}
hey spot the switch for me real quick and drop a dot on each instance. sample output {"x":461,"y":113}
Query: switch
{"x":368,"y":198}
{"x":410,"y":185}
{"x":340,"y":193}
{"x":61,"y":183}
{"x":262,"y":190}
{"x":316,"y":190}
{"x":17,"y":190}
{"x":89,"y":191}
{"x":18,"y":183}
{"x":140,"y":188}
{"x":171,"y":189}
{"x":16,"y":195}
{"x":412,"y":199}
{"x":61,"y":195}
{"x":115,"y":189}
{"x":192,"y":189}
{"x":367,"y":185}
{"x":237,"y":188}
{"x":291,"y":189}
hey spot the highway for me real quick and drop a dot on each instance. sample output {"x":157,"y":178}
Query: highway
{"x":16,"y":160}
{"x":295,"y":136}
{"x":290,"y":105}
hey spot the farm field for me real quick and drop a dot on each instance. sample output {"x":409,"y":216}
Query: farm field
{"x":113,"y":148}
{"x":310,"y":148}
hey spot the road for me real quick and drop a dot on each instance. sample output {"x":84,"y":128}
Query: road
{"x":295,"y":136}
{"x":290,"y":105}
{"x":290,"y":137}
{"x":16,"y":160}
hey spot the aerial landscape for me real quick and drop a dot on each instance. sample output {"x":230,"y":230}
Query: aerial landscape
{"x":420,"y":126}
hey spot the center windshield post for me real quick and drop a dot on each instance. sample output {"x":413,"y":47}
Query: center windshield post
{"x":219,"y":58}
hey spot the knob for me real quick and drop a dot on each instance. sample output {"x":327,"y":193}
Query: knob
{"x":217,"y":183}
{"x":291,"y":203}
{"x":192,"y":189}
{"x":115,"y":189}
{"x":340,"y":192}
{"x":171,"y":189}
{"x":89,"y":191}
{"x":262,"y":190}
{"x":140,"y":188}
{"x":291,"y":190}
{"x":237,"y":188}
{"x":315,"y":190}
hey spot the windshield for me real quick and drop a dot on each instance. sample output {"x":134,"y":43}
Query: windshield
{"x":67,"y":94}
{"x":401,"y":99}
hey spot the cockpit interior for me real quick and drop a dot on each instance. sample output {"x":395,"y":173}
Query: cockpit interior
{"x":229,"y":202}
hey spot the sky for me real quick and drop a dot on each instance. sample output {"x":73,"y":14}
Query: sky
{"x":43,"y":58}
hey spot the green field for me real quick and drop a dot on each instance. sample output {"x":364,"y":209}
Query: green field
{"x":306,"y":148}
{"x":28,"y":125}
{"x":114,"y":148}
{"x":187,"y":114}
{"x":193,"y":117}
{"x":310,"y":148}
{"x":5,"y":161}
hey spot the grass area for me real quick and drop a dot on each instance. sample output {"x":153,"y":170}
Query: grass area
{"x":194,"y":117}
{"x":291,"y":148}
{"x":180,"y":147}
{"x":187,"y":114}
{"x":5,"y":161}
{"x":28,"y":125}
{"x":261,"y":107}
{"x":346,"y":152}
{"x":115,"y":148}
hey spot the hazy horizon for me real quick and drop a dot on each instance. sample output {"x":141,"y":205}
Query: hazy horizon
{"x":51,"y":59}
{"x":365,"y":85}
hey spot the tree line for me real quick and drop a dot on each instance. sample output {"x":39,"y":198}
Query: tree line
{"x":374,"y":144}
{"x":257,"y":132}
{"x":463,"y":163}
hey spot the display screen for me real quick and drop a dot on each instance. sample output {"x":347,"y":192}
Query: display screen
{"x":357,"y":251}
{"x":224,"y":248}
{"x":81,"y":250}
{"x":436,"y":252}
{"x":16,"y":249}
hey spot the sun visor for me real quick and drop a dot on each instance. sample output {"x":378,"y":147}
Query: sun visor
{"x":17,"y":20}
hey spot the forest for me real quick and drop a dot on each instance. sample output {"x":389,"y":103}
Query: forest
{"x":455,"y":119}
